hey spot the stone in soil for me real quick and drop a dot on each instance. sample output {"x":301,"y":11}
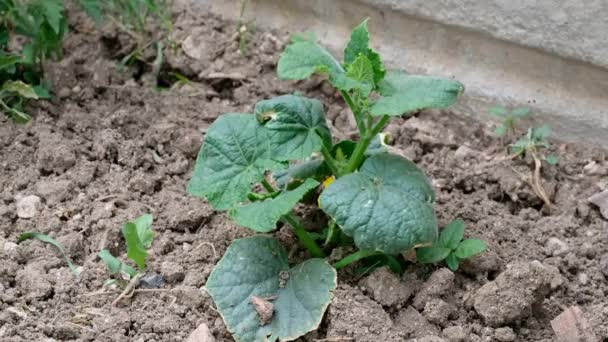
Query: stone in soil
{"x":201,"y":334}
{"x":28,"y":206}
{"x":151,"y":281}
{"x":511,"y":295}
{"x":556,"y":247}
{"x":504,"y":334}
{"x":386,"y":288}
{"x":440,"y":282}
{"x":601,"y":201}
{"x":572,"y":326}
{"x":172,"y":271}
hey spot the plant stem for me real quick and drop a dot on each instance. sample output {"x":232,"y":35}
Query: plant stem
{"x":329,"y":159}
{"x":298,"y":229}
{"x":349,"y":259}
{"x":358,"y":154}
{"x":302,"y":234}
{"x":356,"y":113}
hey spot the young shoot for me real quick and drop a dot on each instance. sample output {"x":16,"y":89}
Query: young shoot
{"x":508,"y":118}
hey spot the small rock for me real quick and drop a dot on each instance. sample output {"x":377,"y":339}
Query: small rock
{"x":504,"y":334}
{"x":28,"y":206}
{"x":455,"y":334}
{"x":583,"y":278}
{"x":414,"y":324}
{"x":571,"y":326}
{"x":556,"y":247}
{"x":151,"y":281}
{"x":386,"y":287}
{"x":438,"y":283}
{"x":511,"y":295}
{"x":601,"y":201}
{"x":437,"y":311}
{"x":463,"y":152}
{"x":194,"y":46}
{"x":201,"y":334}
{"x":173,"y":272}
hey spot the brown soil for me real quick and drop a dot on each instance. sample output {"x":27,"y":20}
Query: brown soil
{"x":111,"y":147}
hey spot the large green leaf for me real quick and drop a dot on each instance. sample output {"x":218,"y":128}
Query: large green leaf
{"x":235,"y":154}
{"x":387,"y":206}
{"x":296,"y":126}
{"x":257,"y":266}
{"x":302,"y":58}
{"x":263,"y":216}
{"x":403,"y":94}
{"x":136,"y":250}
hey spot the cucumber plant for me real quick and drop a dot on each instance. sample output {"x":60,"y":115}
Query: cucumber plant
{"x":378,"y":201}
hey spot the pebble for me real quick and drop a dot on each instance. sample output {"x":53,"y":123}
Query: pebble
{"x":583,"y":278}
{"x":172,"y":271}
{"x":556,"y":247}
{"x":201,"y":334}
{"x":455,"y":334}
{"x":505,"y":334}
{"x":28,"y":206}
{"x":151,"y":281}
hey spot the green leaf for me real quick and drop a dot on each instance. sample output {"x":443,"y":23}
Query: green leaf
{"x":520,"y":112}
{"x":501,"y":130}
{"x":263,"y":216}
{"x":19,"y":87}
{"x":7,"y":61}
{"x":258,"y":266}
{"x":377,"y":145}
{"x":387,"y":206}
{"x":451,"y":235}
{"x":315,"y":168}
{"x":143,"y":225}
{"x":361,"y":70}
{"x":18,"y":116}
{"x":296,"y":126}
{"x":552,"y":159}
{"x":114,"y":265}
{"x":430,"y":255}
{"x":47,"y":239}
{"x":469,"y":248}
{"x":498,"y":111}
{"x":358,"y":44}
{"x":235,"y":155}
{"x":136,"y":250}
{"x":52,"y":10}
{"x":42,"y":92}
{"x":403,"y":94}
{"x":93,"y":9}
{"x":540,"y":134}
{"x":452,"y":262}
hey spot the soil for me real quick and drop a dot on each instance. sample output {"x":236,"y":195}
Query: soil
{"x":111,"y":146}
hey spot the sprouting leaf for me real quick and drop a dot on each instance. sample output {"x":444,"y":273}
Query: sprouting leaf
{"x":540,"y":134}
{"x":42,"y":92}
{"x":403,"y":94}
{"x":136,"y":250}
{"x":501,"y":130}
{"x":47,"y":239}
{"x":258,"y":266}
{"x":19,"y":87}
{"x":314,"y":168}
{"x":469,"y":248}
{"x":430,"y":255}
{"x":359,"y":45}
{"x":452,"y":262}
{"x":498,"y":111}
{"x":92,"y":8}
{"x":263,"y":216}
{"x":552,"y":159}
{"x":361,"y":70}
{"x":143,"y":225}
{"x":296,"y":126}
{"x":387,"y":206}
{"x":451,"y":235}
{"x":520,"y":112}
{"x":302,"y":58}
{"x":52,"y":11}
{"x":235,"y":154}
{"x":114,"y":265}
{"x":18,"y":116}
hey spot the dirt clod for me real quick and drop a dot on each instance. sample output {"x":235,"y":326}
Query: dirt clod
{"x":572,"y":326}
{"x":172,"y":271}
{"x":386,"y":287}
{"x":28,"y":206}
{"x":455,"y":334}
{"x":601,"y":201}
{"x":505,"y":334}
{"x":201,"y":334}
{"x":33,"y":281}
{"x":437,"y":311}
{"x":413,"y":324}
{"x":264,"y":308}
{"x":512,"y":294}
{"x":440,"y":282}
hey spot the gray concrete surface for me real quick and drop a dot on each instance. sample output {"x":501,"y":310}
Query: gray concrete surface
{"x":501,"y":51}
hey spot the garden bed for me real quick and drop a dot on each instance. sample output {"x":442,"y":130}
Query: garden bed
{"x":111,"y":147}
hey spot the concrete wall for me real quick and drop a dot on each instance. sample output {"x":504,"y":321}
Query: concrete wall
{"x":550,"y":55}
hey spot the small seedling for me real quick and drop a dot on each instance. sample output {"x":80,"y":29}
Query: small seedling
{"x":138,"y":236}
{"x":382,"y":203}
{"x":47,"y":239}
{"x":534,"y":144}
{"x":509,"y":119}
{"x":245,"y":29}
{"x":450,"y":247}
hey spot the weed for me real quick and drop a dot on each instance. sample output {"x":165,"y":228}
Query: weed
{"x":47,"y":239}
{"x":509,"y":119}
{"x":244,"y":29}
{"x":379,"y":202}
{"x":450,"y":247}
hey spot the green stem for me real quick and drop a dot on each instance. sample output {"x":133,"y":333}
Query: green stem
{"x":356,"y":113}
{"x":302,"y":234}
{"x":329,"y":159}
{"x":298,"y":229}
{"x":349,"y":259}
{"x":362,"y":145}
